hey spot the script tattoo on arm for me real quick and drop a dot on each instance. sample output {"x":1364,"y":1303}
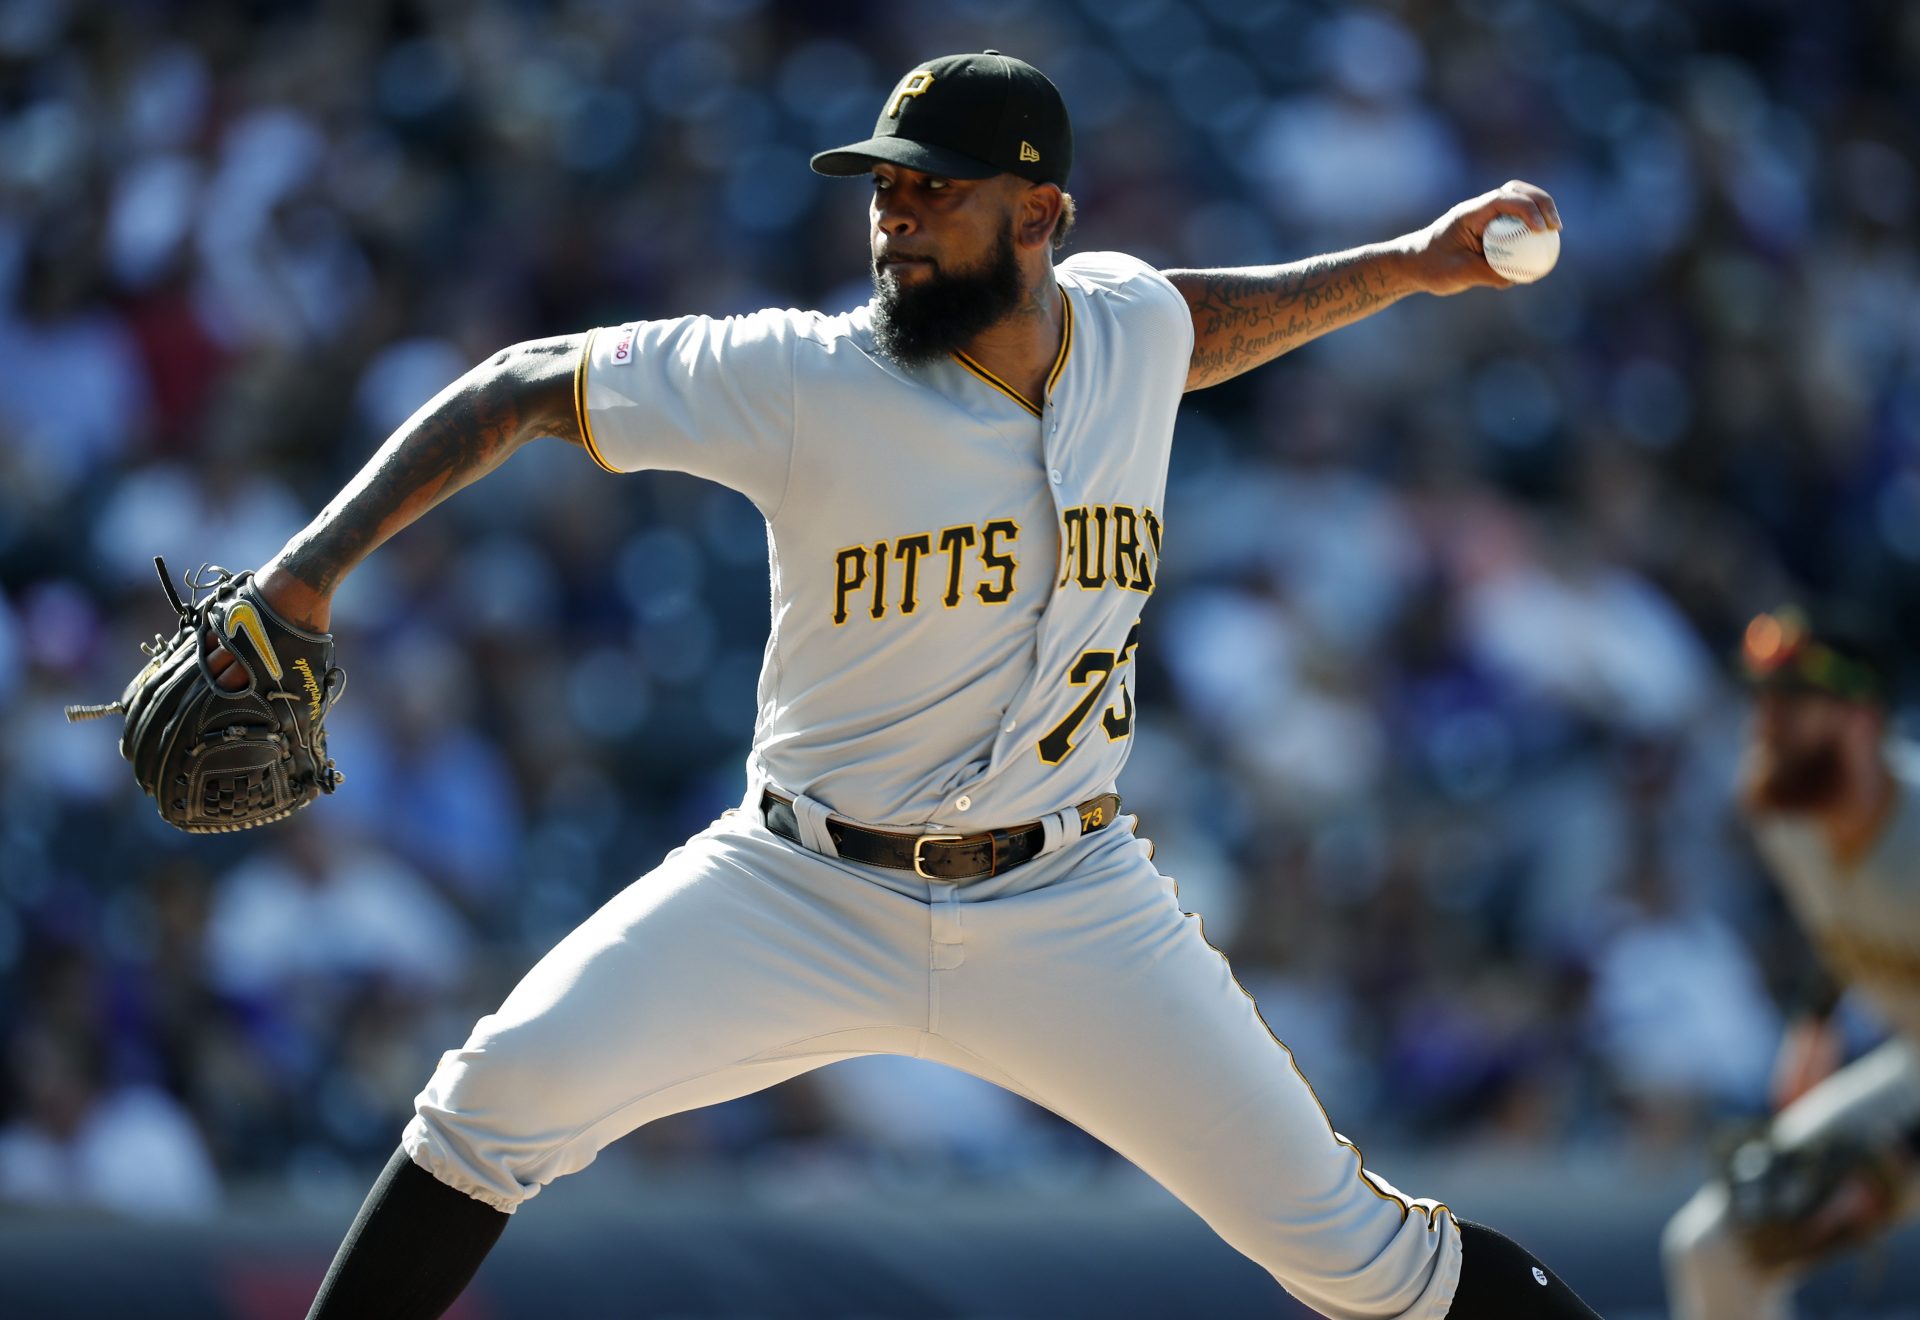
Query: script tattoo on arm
{"x":463,"y":433}
{"x":1249,"y":315}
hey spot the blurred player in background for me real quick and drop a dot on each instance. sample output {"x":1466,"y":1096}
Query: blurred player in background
{"x":1835,"y":808}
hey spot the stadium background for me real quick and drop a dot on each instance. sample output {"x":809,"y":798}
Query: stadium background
{"x":1437,"y":724}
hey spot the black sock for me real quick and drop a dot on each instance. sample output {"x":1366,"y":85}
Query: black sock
{"x":413,"y":1247}
{"x":1501,"y":1280}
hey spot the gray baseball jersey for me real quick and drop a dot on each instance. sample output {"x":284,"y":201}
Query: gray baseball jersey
{"x":951,"y":640}
{"x":1865,"y":921}
{"x":957,"y":580}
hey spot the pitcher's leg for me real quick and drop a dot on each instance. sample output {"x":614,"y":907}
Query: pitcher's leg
{"x":701,"y":982}
{"x":411,"y":1250}
{"x":1096,"y":995}
{"x":736,"y":964}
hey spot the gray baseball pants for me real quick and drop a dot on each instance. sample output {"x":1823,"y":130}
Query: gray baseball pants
{"x":1074,"y":980}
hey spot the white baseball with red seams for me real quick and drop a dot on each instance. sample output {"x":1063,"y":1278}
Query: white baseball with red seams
{"x":1518,"y":253}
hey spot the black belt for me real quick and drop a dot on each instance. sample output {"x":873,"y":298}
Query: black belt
{"x":937,"y":856}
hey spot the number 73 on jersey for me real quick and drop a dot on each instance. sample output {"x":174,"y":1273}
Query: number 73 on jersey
{"x":1094,"y":671}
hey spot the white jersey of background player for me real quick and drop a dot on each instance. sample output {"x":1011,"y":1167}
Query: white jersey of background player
{"x":962,"y":487}
{"x":1835,"y":809}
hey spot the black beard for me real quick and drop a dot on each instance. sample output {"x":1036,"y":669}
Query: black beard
{"x":913,"y":326}
{"x":1804,"y":781}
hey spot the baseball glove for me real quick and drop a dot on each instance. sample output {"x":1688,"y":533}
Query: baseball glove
{"x":1791,"y":1205}
{"x":213,"y":760}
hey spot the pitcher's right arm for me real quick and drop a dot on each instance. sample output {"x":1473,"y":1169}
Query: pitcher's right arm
{"x":463,"y":433}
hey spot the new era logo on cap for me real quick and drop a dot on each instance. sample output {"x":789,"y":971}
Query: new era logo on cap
{"x":967,"y":117}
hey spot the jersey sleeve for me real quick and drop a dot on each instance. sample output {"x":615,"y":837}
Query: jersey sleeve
{"x":1145,"y":297}
{"x":711,"y":397}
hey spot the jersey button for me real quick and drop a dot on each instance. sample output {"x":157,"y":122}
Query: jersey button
{"x":962,"y":802}
{"x":1009,"y":725}
{"x":1054,"y":473}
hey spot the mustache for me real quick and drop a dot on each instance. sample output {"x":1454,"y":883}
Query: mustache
{"x":884,"y":262}
{"x":920,"y":320}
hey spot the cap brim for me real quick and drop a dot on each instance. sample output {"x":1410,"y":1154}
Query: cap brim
{"x":859,"y":157}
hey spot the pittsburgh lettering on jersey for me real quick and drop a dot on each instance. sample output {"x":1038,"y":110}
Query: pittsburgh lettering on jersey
{"x":948,"y":565}
{"x":1109,"y":543}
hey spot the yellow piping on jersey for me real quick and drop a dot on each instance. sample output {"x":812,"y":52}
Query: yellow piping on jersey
{"x":995,"y":381}
{"x":1066,"y":344}
{"x":580,"y":405}
{"x":1053,"y":376}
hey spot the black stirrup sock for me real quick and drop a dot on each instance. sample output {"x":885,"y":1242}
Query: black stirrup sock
{"x":1502,"y":1280}
{"x":413,"y":1247}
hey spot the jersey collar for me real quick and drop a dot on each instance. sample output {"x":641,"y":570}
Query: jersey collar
{"x":1053,"y":376}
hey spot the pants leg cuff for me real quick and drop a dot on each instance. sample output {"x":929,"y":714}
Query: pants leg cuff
{"x":422,"y":1149}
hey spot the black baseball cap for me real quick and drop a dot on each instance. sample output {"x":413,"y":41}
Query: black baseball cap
{"x":1826,"y":646}
{"x":967,"y":117}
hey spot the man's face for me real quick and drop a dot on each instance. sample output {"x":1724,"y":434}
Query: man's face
{"x":944,"y":263}
{"x":1795,"y":761}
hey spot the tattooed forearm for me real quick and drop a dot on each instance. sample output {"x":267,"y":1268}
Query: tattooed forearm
{"x":465,"y":432}
{"x":1250,"y":315}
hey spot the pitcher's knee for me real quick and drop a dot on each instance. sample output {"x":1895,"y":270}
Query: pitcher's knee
{"x":1406,"y":1263}
{"x":487,"y":1123}
{"x":457,"y":1158}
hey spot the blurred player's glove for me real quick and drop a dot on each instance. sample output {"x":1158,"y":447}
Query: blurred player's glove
{"x":1790,"y":1205}
{"x":214,"y":760}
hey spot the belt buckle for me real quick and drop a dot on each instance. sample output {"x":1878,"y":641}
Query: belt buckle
{"x":919,"y":862}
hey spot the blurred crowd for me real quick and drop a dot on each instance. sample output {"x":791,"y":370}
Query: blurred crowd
{"x":1437,"y":726}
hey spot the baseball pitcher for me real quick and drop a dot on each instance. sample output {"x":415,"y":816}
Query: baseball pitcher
{"x":964,"y":487}
{"x":1835,"y":808}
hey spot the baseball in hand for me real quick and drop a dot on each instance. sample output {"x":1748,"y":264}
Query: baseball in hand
{"x":1518,"y":253}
